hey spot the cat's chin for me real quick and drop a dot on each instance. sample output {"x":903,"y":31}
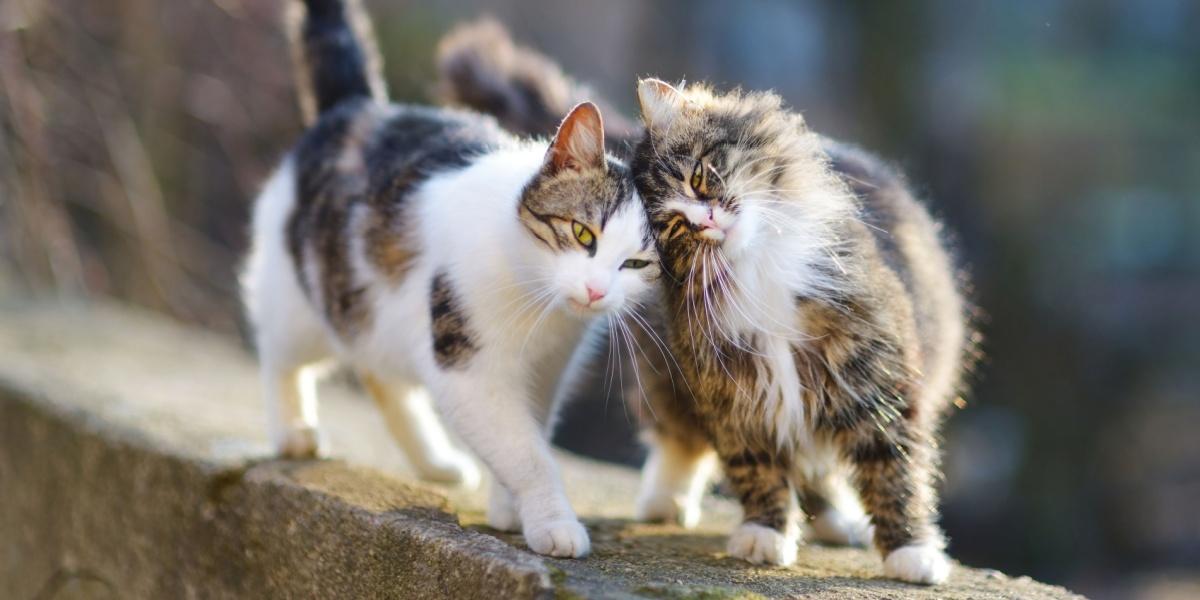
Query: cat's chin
{"x":737,"y":240}
{"x":580,"y":309}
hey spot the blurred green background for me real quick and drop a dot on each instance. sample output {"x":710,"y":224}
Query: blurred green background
{"x":1059,"y":140}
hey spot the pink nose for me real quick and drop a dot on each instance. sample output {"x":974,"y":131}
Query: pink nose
{"x":594,"y":294}
{"x":708,"y":222}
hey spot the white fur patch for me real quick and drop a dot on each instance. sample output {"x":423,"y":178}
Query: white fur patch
{"x":762,"y":545}
{"x":834,"y":527}
{"x":673,"y":484}
{"x":918,"y":563}
{"x":298,"y":441}
{"x":564,"y":539}
{"x":502,"y":510}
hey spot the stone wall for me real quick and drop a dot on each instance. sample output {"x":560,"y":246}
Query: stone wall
{"x":133,"y":465}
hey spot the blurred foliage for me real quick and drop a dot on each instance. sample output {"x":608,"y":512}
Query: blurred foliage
{"x":1060,"y":141}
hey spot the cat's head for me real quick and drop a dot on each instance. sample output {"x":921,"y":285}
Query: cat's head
{"x":595,"y":252}
{"x":725,"y":174}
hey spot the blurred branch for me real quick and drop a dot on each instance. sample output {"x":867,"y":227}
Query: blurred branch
{"x":35,"y":229}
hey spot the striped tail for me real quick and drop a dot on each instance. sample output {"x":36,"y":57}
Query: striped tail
{"x":337,"y":56}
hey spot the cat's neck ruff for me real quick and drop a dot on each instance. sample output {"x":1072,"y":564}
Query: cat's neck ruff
{"x":757,"y":310}
{"x":783,"y":262}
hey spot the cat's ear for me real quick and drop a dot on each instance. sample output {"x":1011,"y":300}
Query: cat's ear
{"x":579,"y":143}
{"x":660,"y":102}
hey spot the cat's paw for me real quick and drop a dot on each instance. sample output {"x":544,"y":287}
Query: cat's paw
{"x":454,"y":468}
{"x":835,"y":527}
{"x":298,"y":442}
{"x":565,"y":538}
{"x":502,"y":514}
{"x":658,"y":507}
{"x":762,"y":545}
{"x":917,"y":563}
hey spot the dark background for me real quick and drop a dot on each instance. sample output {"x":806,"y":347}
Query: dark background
{"x":1059,"y":140}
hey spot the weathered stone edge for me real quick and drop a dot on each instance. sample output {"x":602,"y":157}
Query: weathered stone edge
{"x":84,"y":500}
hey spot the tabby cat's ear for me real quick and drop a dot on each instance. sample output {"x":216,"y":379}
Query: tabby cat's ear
{"x":579,"y":143}
{"x":660,"y":102}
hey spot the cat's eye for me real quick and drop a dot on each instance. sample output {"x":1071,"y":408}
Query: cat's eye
{"x":635,"y":263}
{"x":583,"y":235}
{"x":699,"y":179}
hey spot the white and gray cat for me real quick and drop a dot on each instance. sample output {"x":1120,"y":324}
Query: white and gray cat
{"x":449,"y":264}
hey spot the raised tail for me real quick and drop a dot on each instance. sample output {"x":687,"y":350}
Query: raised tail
{"x":479,"y":67}
{"x":336,"y":55}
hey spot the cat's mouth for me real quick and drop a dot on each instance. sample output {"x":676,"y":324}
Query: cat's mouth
{"x":582,"y":309}
{"x":709,"y":224}
{"x":713,"y":235}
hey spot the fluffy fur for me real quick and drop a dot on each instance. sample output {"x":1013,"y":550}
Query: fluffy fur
{"x":451,"y":266}
{"x":814,"y":317}
{"x":481,"y":68}
{"x":818,"y":330}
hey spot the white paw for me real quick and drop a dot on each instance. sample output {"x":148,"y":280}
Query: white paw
{"x":502,"y":514}
{"x":834,"y":527}
{"x":917,"y":563}
{"x":455,"y":468}
{"x":298,"y":442}
{"x":658,"y":507}
{"x":565,"y":538}
{"x":762,"y":545}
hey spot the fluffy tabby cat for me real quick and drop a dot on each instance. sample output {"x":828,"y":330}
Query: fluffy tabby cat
{"x":439,"y":257}
{"x":810,"y":308}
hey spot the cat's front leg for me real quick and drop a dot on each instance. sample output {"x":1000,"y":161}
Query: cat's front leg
{"x":770,"y":530}
{"x":495,"y":419}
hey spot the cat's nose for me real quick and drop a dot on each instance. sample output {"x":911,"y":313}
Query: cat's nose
{"x":594,"y":294}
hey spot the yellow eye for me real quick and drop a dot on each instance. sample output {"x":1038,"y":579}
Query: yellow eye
{"x":699,"y":180}
{"x":635,"y":263}
{"x":583,"y":235}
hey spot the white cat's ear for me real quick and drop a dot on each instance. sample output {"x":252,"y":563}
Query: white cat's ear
{"x":660,"y":102}
{"x":579,"y":143}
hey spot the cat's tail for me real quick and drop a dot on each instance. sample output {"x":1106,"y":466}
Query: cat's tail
{"x":336,"y":56}
{"x":481,"y":68}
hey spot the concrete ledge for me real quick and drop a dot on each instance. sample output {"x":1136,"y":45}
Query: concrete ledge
{"x":133,"y":465}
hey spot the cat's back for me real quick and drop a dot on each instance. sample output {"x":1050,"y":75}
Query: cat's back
{"x":911,"y":243}
{"x":352,"y":220}
{"x":363,"y":147}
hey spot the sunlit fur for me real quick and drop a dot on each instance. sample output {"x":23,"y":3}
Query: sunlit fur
{"x":885,"y":301}
{"x":432,"y":254}
{"x":814,"y":319}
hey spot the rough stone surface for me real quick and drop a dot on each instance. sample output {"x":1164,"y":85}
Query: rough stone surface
{"x":133,"y":464}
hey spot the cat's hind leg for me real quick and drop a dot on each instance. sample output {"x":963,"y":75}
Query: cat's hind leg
{"x":894,"y":470}
{"x":289,"y":337}
{"x":502,"y":512}
{"x":291,"y":353}
{"x":675,"y":477}
{"x":413,"y":423}
{"x":827,"y":495}
{"x":291,"y":401}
